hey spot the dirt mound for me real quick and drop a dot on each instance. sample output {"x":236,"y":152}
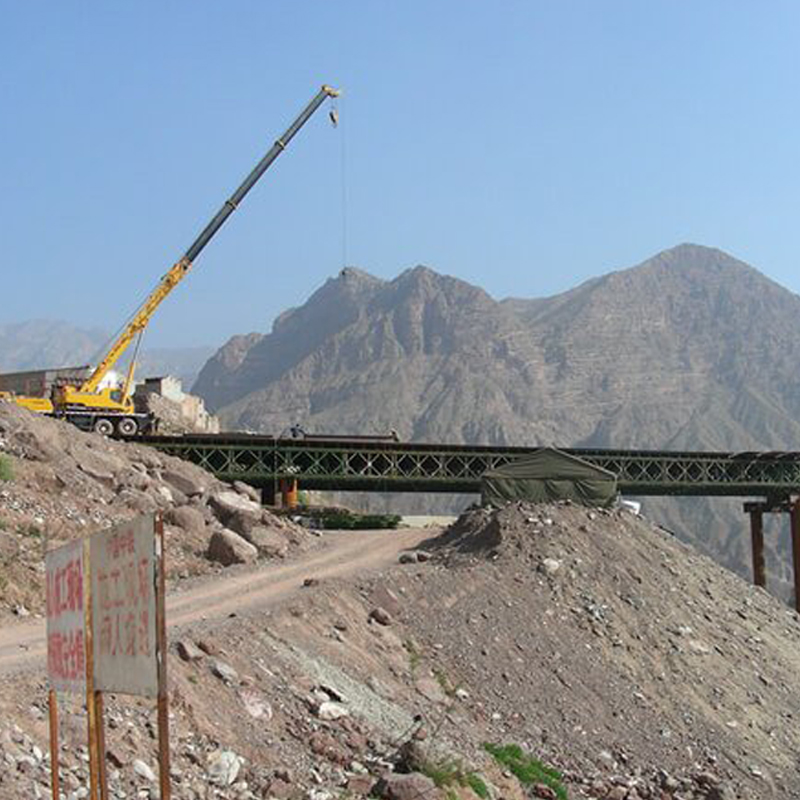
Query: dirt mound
{"x":58,"y":483}
{"x":605,"y":644}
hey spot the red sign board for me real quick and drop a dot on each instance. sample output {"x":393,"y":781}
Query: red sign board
{"x":66,"y":636}
{"x":123,"y":561}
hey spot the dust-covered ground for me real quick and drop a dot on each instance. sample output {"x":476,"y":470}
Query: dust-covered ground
{"x":594,"y":641}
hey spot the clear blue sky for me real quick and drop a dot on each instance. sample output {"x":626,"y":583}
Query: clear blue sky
{"x":521,"y":146}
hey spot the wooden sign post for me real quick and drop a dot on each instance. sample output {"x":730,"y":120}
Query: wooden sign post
{"x":106,"y":628}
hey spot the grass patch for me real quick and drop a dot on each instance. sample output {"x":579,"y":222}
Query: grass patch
{"x":527,"y":769}
{"x":444,"y":682}
{"x":414,"y":656}
{"x":478,"y":785}
{"x":6,"y":468}
{"x":30,"y":530}
{"x":449,"y":774}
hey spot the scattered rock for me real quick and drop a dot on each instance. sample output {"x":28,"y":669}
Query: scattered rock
{"x":224,"y":671}
{"x":223,"y":767}
{"x":229,"y":548}
{"x":143,"y":771}
{"x":381,"y":616}
{"x":412,"y":786}
{"x":330,"y":711}
{"x":188,"y":651}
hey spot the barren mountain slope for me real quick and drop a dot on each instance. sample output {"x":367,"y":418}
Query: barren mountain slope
{"x":692,"y":349}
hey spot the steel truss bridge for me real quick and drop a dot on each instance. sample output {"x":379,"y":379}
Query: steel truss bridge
{"x":365,"y":464}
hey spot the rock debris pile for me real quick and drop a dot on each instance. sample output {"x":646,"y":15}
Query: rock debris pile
{"x":614,"y":651}
{"x":60,"y":483}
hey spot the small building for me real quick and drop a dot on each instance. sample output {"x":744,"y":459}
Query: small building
{"x":175,"y":410}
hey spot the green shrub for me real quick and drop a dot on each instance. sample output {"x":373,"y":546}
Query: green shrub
{"x":341,"y":519}
{"x":527,"y":769}
{"x":447,"y":774}
{"x":443,"y":774}
{"x":478,"y":785}
{"x":6,"y":468}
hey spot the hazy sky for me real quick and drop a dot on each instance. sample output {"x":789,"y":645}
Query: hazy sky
{"x":521,"y":146}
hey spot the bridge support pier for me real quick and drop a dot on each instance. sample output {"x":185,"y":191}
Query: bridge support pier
{"x":794,"y":516}
{"x":268,"y":495}
{"x":757,"y":539}
{"x":756,"y":510}
{"x":289,"y":492}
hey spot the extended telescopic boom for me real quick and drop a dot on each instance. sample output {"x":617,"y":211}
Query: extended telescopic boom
{"x":182,"y":267}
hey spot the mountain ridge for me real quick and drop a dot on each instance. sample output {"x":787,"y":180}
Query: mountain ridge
{"x":691,"y":349}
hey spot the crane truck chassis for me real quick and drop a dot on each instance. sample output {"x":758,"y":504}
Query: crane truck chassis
{"x":109,"y":410}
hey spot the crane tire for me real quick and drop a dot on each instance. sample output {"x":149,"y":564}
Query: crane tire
{"x":103,"y":426}
{"x":127,"y":426}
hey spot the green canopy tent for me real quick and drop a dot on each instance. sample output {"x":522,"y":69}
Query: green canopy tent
{"x":546,"y":476}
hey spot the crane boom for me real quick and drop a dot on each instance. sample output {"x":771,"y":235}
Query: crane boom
{"x":179,"y":270}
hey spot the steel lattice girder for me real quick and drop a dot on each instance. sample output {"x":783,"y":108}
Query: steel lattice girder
{"x":387,"y":467}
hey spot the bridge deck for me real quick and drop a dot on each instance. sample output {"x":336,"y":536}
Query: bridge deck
{"x":363,"y":464}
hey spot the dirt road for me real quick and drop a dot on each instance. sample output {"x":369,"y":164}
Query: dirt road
{"x":23,"y":646}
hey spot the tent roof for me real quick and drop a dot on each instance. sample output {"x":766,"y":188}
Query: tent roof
{"x":550,"y":464}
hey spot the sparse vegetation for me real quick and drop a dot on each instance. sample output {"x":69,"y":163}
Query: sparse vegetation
{"x":343,"y":519}
{"x":527,"y":769}
{"x":444,"y":682}
{"x":30,"y":530}
{"x":6,"y":468}
{"x":478,"y":785}
{"x":414,"y":656}
{"x":447,"y":774}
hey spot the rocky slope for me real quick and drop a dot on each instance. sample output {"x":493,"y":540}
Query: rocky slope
{"x":592,"y":640}
{"x":692,"y":349}
{"x":57,"y":483}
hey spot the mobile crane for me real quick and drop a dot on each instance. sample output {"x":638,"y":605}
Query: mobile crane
{"x":109,"y":410}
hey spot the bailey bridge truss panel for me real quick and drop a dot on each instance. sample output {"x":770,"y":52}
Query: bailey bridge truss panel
{"x":394,"y":466}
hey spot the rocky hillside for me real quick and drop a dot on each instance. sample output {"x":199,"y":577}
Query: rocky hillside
{"x":58,"y":483}
{"x":692,"y":349}
{"x":596,"y":656}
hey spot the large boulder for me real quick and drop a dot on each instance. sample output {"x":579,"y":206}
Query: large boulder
{"x":248,"y":491}
{"x":269,"y":542}
{"x":235,"y":511}
{"x":95,"y":463}
{"x":183,"y":482}
{"x":229,"y":548}
{"x":412,"y":786}
{"x":138,"y":501}
{"x":187,"y":518}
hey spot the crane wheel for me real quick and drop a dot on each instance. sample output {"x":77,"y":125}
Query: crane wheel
{"x":105,"y":427}
{"x":127,"y":427}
